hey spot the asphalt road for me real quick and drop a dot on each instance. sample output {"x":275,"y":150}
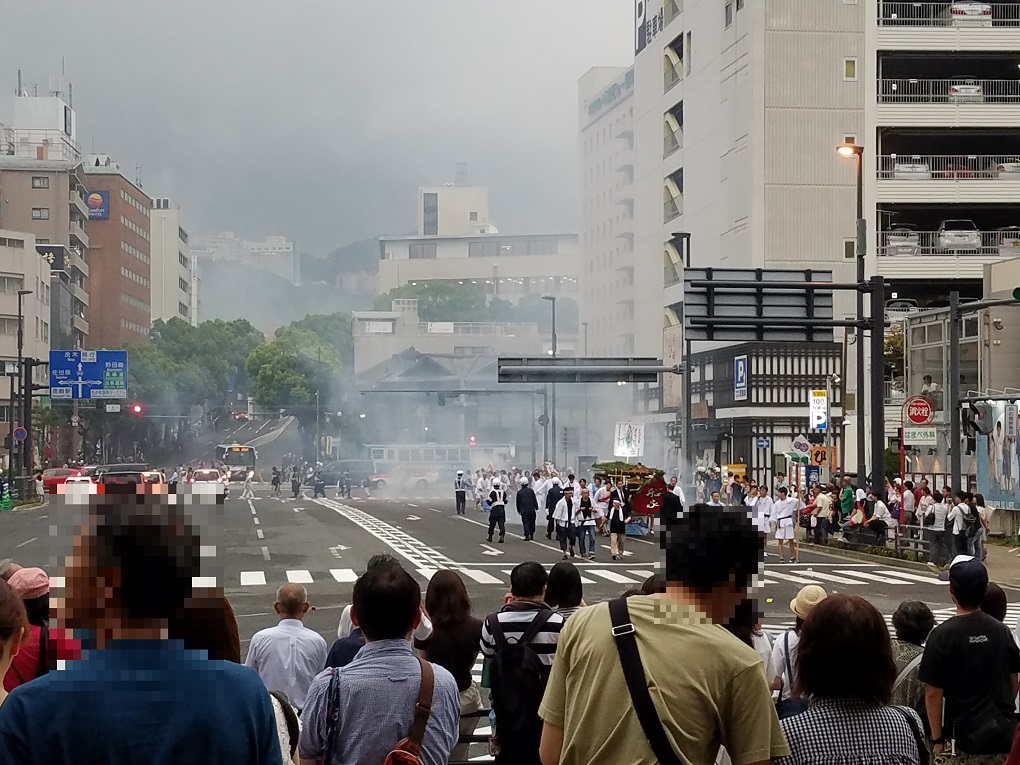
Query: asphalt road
{"x":251,"y":547}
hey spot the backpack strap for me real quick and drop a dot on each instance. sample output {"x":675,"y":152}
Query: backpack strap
{"x":902,"y":676}
{"x":637,"y":684}
{"x":919,"y":742}
{"x":332,"y":712}
{"x":537,"y":623}
{"x":423,"y":709}
{"x":786,"y":660}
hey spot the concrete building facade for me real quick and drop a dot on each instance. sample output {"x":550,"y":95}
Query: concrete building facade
{"x":612,"y":280}
{"x":121,"y":275}
{"x":171,"y":266}
{"x":275,"y":254}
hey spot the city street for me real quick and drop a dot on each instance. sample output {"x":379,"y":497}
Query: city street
{"x":251,"y":547}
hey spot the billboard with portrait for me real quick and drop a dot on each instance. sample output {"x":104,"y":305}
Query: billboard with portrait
{"x":998,"y":458}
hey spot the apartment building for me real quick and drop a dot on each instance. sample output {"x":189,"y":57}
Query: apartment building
{"x":467,"y":250}
{"x":171,"y":263}
{"x":275,"y":254}
{"x":121,"y":273}
{"x":617,"y":296}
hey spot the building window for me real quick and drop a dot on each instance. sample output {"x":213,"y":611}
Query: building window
{"x":40,"y":182}
{"x":850,"y":139}
{"x":849,"y":249}
{"x":18,"y":244}
{"x":182,"y":284}
{"x":9,"y":285}
{"x":422,"y":251}
{"x":182,"y":234}
{"x":430,"y":214}
{"x":688,"y":44}
{"x":473,"y":217}
{"x":850,"y":69}
{"x":8,"y":325}
{"x":728,"y":11}
{"x":182,"y":259}
{"x":40,"y":213}
{"x":182,"y":310}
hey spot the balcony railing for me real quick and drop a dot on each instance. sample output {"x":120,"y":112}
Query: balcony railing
{"x":906,"y":14}
{"x":1004,"y":243}
{"x":672,"y":274}
{"x":926,"y":167}
{"x":476,"y":328}
{"x":671,"y":9}
{"x":671,"y":209}
{"x":952,"y":91}
{"x":670,"y":76}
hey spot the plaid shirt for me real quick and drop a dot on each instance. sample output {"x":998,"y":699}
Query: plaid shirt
{"x":850,"y":732}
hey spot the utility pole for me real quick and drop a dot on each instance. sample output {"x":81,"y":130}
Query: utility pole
{"x":552,"y":299}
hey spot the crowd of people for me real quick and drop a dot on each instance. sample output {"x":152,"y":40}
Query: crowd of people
{"x":648,"y":677}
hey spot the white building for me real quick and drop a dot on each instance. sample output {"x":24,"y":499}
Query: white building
{"x":275,"y":254}
{"x":171,"y":263}
{"x":619,"y":292}
{"x":465,"y":249}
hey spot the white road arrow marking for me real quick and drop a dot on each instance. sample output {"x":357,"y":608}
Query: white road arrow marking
{"x":412,"y":518}
{"x":491,"y":550}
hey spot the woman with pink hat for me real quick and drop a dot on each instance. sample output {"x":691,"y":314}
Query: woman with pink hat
{"x":42,"y":646}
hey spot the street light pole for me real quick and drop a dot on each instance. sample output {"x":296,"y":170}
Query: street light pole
{"x":21,"y":377}
{"x":586,"y":450}
{"x":853,"y":150}
{"x":552,"y":299}
{"x":318,"y":448}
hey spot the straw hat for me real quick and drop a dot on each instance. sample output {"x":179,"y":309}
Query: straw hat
{"x":808,"y":597}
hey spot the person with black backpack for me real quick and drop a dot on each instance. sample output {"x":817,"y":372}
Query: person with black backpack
{"x":518,"y":644}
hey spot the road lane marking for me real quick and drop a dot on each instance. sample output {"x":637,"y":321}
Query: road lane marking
{"x":791,"y":578}
{"x":299,"y":576}
{"x":490,"y":550}
{"x":27,"y":542}
{"x":256,"y":521}
{"x":584,"y":579}
{"x":828,"y":577}
{"x":203,"y":581}
{"x":625,"y":552}
{"x":645,"y":574}
{"x":259,"y":532}
{"x":870,"y":577}
{"x":480,"y":576}
{"x":428,"y":573}
{"x":913,"y":577}
{"x":252,"y":578}
{"x":434,"y":510}
{"x":612,"y":576}
{"x":410,"y":505}
{"x":207,"y":551}
{"x":344,"y":575}
{"x":511,"y":534}
{"x":265,"y":553}
{"x":251,"y":505}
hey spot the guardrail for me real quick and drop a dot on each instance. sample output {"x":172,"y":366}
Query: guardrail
{"x":915,"y":243}
{"x":918,"y":91}
{"x":957,"y":167}
{"x":461,"y":754}
{"x":907,"y":14}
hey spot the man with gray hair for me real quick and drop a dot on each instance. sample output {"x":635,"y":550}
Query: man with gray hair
{"x":289,"y":655}
{"x":7,"y":568}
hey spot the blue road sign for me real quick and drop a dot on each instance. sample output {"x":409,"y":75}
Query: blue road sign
{"x":20,"y":434}
{"x":764,"y":443}
{"x":740,"y":378}
{"x":88,"y":374}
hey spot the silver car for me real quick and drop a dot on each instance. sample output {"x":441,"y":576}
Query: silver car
{"x":965,"y":89}
{"x":911,"y":169}
{"x":902,"y":239}
{"x":967,"y":14}
{"x":955,"y":235}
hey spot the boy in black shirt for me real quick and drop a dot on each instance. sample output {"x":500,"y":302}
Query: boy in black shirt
{"x":971,"y":662}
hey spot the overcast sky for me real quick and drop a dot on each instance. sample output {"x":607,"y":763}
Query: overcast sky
{"x":318,"y":119}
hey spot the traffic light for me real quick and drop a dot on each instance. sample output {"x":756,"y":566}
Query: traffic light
{"x":471,"y":440}
{"x":1016,"y":293}
{"x":136,"y":410}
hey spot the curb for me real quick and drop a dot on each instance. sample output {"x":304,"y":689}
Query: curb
{"x":831,"y":552}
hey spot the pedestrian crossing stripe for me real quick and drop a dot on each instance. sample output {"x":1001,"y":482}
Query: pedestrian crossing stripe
{"x":779,"y":625}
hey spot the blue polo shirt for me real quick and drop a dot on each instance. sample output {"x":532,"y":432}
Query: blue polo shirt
{"x":144,"y":701}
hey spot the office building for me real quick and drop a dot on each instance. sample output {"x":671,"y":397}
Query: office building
{"x":610,"y":284}
{"x":45,"y":194}
{"x":171,"y":263}
{"x":121,"y":277}
{"x":468,"y":251}
{"x":275,"y":254}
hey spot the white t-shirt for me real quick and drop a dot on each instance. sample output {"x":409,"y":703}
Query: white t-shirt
{"x":956,"y":517}
{"x":422,"y":632}
{"x":778,"y":666}
{"x":679,"y":492}
{"x":600,"y":500}
{"x":882,"y":512}
{"x":784,"y":508}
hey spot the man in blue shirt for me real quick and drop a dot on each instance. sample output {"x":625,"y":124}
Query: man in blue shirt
{"x":376,"y":694}
{"x":138,"y":697}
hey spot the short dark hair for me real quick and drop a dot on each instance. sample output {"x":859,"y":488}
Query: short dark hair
{"x":528,"y":579}
{"x":913,"y":620}
{"x":705,"y":547}
{"x":994,"y":602}
{"x":845,"y":625}
{"x":381,"y":559}
{"x":969,"y":595}
{"x":154,"y":547}
{"x":386,"y":602}
{"x":447,"y":599}
{"x":745,"y":618}
{"x":564,"y":588}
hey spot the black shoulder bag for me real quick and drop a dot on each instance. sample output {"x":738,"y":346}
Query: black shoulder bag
{"x":634,"y":673}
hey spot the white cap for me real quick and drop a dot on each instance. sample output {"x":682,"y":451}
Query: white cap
{"x":523,"y":480}
{"x":495,"y":482}
{"x":896,"y":480}
{"x":555,"y":480}
{"x":460,"y":472}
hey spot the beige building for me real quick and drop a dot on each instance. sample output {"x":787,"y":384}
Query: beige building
{"x":171,"y":264}
{"x":608,"y":264}
{"x":453,"y":211}
{"x":379,"y":335}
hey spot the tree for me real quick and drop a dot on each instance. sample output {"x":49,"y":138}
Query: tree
{"x":532,"y":308}
{"x":893,"y":350}
{"x":333,"y":329}
{"x":439,"y":301}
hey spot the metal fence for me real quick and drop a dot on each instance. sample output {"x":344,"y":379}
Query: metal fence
{"x":955,"y":90}
{"x":909,"y":243}
{"x":961,"y":167}
{"x":981,"y":15}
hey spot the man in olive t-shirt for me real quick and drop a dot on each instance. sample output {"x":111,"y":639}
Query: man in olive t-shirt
{"x":709,"y":689}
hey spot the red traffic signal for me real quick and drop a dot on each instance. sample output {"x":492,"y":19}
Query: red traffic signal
{"x":471,"y":440}
{"x":136,"y":409}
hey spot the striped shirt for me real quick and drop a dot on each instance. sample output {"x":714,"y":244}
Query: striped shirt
{"x":514,"y":619}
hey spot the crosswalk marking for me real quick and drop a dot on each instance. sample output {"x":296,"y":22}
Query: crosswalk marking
{"x":480,"y":576}
{"x":791,"y":578}
{"x":913,"y":577}
{"x":344,"y":575}
{"x":584,"y":579}
{"x":300,"y":576}
{"x":645,"y":574}
{"x":626,"y":553}
{"x":203,"y":581}
{"x":871,"y":577}
{"x":827,"y":577}
{"x":252,"y":577}
{"x":612,"y":576}
{"x":428,"y":573}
